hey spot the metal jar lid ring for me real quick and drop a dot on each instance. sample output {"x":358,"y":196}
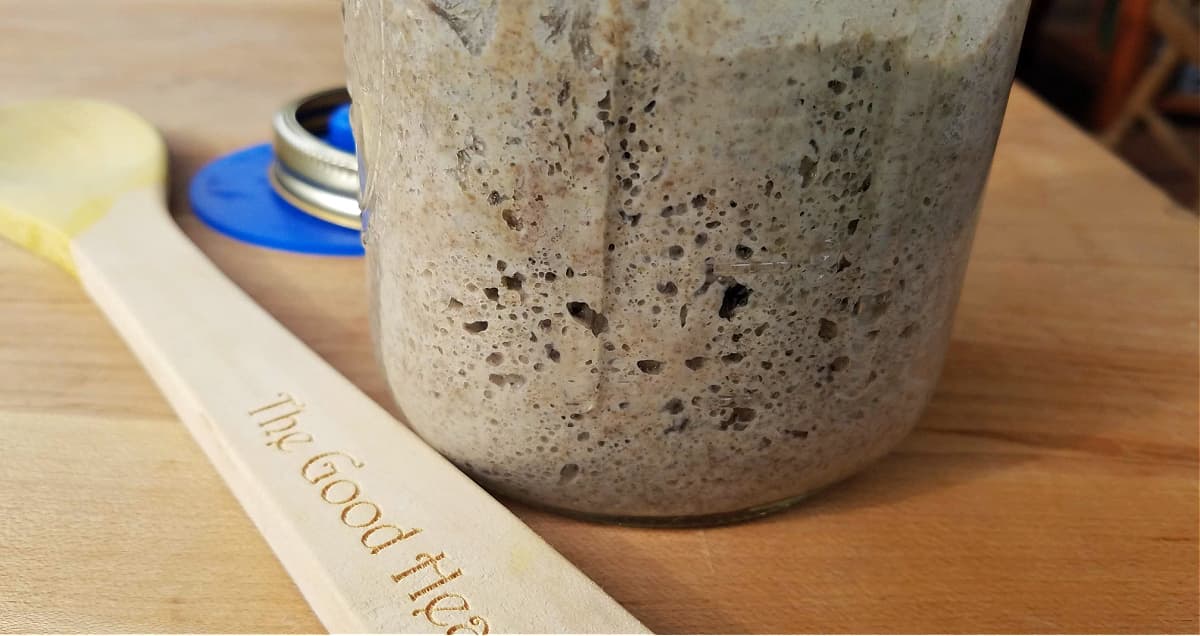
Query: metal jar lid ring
{"x":308,"y":172}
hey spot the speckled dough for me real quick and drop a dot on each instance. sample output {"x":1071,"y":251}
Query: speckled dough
{"x":651,"y":258}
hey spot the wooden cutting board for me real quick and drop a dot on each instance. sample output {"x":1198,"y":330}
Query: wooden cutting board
{"x":1052,"y":486}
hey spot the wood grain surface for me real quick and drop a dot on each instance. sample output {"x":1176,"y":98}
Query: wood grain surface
{"x":1051,"y":487}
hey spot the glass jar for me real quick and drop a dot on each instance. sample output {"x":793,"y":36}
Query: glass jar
{"x":663,"y":261}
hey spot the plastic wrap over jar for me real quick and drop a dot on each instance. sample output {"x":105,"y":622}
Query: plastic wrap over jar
{"x":671,"y":261}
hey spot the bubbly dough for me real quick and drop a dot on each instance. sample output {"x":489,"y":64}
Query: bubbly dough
{"x":652,"y":258}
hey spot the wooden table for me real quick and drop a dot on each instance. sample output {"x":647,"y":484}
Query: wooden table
{"x":1052,"y":485}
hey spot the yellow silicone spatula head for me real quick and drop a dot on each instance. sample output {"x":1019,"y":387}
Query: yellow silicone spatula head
{"x":63,"y":163}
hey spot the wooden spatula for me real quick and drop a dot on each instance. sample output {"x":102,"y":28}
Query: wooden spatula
{"x":379,"y":532}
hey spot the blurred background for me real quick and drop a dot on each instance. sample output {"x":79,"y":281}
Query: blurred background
{"x":1128,"y":71}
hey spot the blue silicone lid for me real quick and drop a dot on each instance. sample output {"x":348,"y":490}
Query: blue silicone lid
{"x":339,"y":135}
{"x":233,"y":195}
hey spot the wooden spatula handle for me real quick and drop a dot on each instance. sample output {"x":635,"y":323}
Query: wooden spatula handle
{"x":379,"y":532}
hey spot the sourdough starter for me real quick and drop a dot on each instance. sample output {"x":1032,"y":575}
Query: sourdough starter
{"x":652,"y":259}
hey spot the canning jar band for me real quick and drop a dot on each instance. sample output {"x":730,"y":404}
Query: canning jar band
{"x":308,"y":172}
